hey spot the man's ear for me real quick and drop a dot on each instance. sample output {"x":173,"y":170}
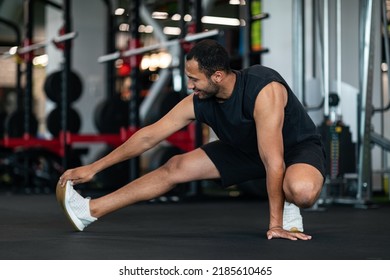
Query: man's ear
{"x":217,"y":77}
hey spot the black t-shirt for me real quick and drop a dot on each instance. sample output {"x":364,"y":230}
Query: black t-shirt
{"x":233,"y":122}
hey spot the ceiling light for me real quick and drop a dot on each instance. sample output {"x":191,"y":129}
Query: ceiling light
{"x":160,"y":15}
{"x":13,"y":50}
{"x":119,"y":11}
{"x":234,"y":2}
{"x":177,"y":17}
{"x":41,"y":60}
{"x":145,"y":62}
{"x":384,"y":67}
{"x":145,"y":29}
{"x":171,"y":30}
{"x":165,"y":60}
{"x":221,"y":20}
{"x":124,"y":27}
{"x":187,"y":18}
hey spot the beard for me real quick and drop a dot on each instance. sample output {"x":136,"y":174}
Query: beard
{"x":210,"y":91}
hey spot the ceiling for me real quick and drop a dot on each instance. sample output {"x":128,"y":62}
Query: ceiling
{"x":13,"y":11}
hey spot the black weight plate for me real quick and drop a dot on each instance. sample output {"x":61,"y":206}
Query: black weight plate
{"x":162,"y":105}
{"x":53,"y":87}
{"x":54,"y":121}
{"x":14,"y":124}
{"x":111,"y":114}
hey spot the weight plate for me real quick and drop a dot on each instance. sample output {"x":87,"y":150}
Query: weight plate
{"x":53,"y":87}
{"x":54,"y":121}
{"x":14,"y":124}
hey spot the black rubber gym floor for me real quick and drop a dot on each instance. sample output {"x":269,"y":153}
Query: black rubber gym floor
{"x":34,"y":227}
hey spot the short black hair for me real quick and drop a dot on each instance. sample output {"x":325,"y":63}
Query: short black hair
{"x":211,"y":57}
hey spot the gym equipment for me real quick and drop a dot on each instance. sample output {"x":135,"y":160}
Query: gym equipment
{"x":28,"y":49}
{"x":3,"y":117}
{"x":33,"y":170}
{"x":252,"y":48}
{"x":111,"y":115}
{"x":6,"y":178}
{"x":54,"y":120}
{"x":164,"y":102}
{"x":166,"y":44}
{"x":15,"y":124}
{"x":339,"y":148}
{"x":53,"y":86}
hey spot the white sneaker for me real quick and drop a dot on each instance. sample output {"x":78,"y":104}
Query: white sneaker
{"x":292,"y":218}
{"x":75,"y":206}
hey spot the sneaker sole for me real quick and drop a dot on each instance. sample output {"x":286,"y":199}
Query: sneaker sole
{"x":294,"y":229}
{"x":61,"y":198}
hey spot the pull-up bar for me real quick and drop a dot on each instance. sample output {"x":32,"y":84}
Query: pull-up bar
{"x":136,"y":51}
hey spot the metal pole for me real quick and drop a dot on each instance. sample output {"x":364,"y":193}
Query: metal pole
{"x":299,"y":48}
{"x":65,"y":87}
{"x":18,"y":42}
{"x":245,"y":10}
{"x":161,"y":45}
{"x":27,"y":100}
{"x":110,"y":47}
{"x":326,"y":58}
{"x":364,"y":169}
{"x":29,"y":31}
{"x":182,"y":24}
{"x":134,"y":103}
{"x":338,"y":54}
{"x":197,"y":12}
{"x":317,"y":68}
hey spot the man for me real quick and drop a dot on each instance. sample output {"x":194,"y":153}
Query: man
{"x":263,"y":131}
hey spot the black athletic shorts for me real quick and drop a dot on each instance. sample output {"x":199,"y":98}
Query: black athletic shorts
{"x":235,"y":166}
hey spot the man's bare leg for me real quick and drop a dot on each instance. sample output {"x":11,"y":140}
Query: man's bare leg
{"x":302,"y":184}
{"x":194,"y":165}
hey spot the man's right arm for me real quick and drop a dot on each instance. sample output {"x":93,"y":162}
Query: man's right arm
{"x":142,"y":140}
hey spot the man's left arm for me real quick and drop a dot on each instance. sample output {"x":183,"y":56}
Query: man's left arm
{"x":269,"y":118}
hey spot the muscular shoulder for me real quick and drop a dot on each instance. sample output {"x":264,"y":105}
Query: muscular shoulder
{"x":273,"y":92}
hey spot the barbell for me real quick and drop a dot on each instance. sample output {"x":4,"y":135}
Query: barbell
{"x":161,"y":45}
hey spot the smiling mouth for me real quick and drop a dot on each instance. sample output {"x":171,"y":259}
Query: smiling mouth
{"x":197,"y":92}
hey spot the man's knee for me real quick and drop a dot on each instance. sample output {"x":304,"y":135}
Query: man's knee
{"x":303,"y":194}
{"x":172,"y":168}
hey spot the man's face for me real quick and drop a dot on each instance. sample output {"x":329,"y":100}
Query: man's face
{"x":201,"y":85}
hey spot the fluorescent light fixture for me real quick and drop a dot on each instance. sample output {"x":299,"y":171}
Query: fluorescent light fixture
{"x":234,"y":2}
{"x":124,"y":27}
{"x":41,"y":60}
{"x":160,"y":15}
{"x":119,"y":11}
{"x":13,"y":50}
{"x":155,"y":61}
{"x":168,"y":30}
{"x":148,"y":29}
{"x":177,"y":17}
{"x":187,"y":18}
{"x":165,"y":60}
{"x":118,"y":63}
{"x":145,"y":62}
{"x":221,"y":20}
{"x":384,"y":67}
{"x":145,"y":29}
